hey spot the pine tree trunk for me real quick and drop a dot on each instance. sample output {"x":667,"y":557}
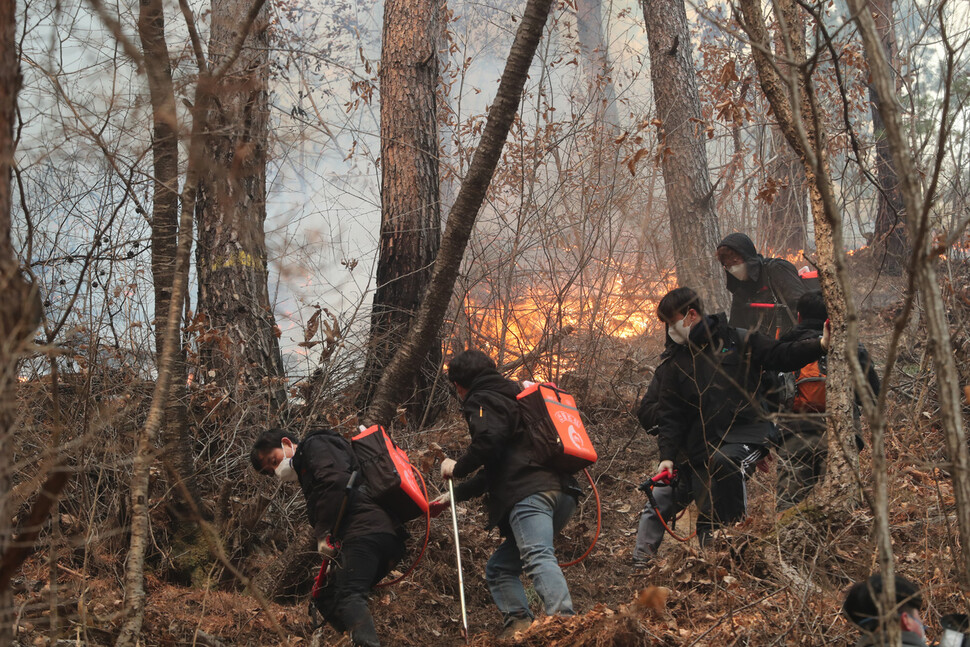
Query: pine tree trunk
{"x":596,"y":61}
{"x":243,"y":358}
{"x":395,"y":381}
{"x":783,"y":226}
{"x":690,"y":196}
{"x":889,"y":237}
{"x":165,"y":213}
{"x":410,"y":203}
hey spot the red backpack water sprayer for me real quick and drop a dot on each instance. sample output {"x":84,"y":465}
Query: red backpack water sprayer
{"x":666,"y":478}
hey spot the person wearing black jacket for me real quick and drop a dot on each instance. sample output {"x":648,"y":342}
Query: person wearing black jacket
{"x":752,"y":278}
{"x":368,"y":541}
{"x":709,"y":410}
{"x":803,"y":451}
{"x":670,"y":499}
{"x":529,"y":502}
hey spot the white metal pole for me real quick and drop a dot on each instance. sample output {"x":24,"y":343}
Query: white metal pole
{"x":461,"y":579}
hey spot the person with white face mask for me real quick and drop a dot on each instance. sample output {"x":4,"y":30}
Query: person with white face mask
{"x":773,"y":283}
{"x":367,"y":542}
{"x":706,"y":414}
{"x":667,"y":502}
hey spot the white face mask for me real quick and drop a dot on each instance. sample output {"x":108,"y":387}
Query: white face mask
{"x":285,"y":472}
{"x":739,"y":271}
{"x":679,"y":332}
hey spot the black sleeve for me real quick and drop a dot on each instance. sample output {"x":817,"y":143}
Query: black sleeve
{"x":476,"y":486}
{"x":785,"y":282}
{"x":782,"y":355}
{"x":869,"y":368}
{"x":647,"y":412}
{"x":329,"y":469}
{"x":491,"y":427}
{"x":673,"y":417}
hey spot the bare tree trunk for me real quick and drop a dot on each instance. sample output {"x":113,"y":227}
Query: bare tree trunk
{"x":596,"y":61}
{"x":145,"y":453}
{"x":20,"y":311}
{"x":244,"y":359}
{"x":783,"y":227}
{"x":792,"y":101}
{"x":400,"y":372}
{"x":889,"y":236}
{"x":165,"y":213}
{"x":690,"y":196}
{"x":410,"y":203}
{"x":917,"y":209}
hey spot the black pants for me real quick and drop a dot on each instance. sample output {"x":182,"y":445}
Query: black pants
{"x":720,"y":488}
{"x":362,"y":563}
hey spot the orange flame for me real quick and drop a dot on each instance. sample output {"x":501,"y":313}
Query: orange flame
{"x":528,"y":321}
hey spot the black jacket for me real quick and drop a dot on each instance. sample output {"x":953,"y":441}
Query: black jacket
{"x":324,"y":461}
{"x":503,"y":451}
{"x":708,"y":394}
{"x":815,"y":422}
{"x":650,"y":404}
{"x":770,"y":280}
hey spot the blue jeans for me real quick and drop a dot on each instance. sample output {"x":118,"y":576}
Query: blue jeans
{"x":535,"y":521}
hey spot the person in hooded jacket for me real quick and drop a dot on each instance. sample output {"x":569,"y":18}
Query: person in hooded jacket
{"x":752,"y":278}
{"x":802,"y":451}
{"x":369,"y":540}
{"x":528,"y":502}
{"x":670,"y":499}
{"x":709,"y":410}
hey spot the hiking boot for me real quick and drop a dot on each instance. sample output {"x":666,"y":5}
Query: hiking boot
{"x":517,"y":625}
{"x":641,"y":563}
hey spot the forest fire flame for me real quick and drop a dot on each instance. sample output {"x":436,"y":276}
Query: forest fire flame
{"x":529,"y":322}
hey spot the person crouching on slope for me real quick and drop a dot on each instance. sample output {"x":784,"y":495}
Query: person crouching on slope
{"x":368,"y":541}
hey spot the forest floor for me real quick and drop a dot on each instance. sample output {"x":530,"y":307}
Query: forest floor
{"x":775,"y":580}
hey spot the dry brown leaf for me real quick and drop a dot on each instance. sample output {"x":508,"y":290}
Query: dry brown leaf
{"x":653,"y":598}
{"x":312,"y":325}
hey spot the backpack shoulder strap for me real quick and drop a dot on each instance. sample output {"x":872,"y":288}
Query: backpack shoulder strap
{"x":778,"y":262}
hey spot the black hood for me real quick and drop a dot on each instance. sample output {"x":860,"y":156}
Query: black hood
{"x":321,"y":431}
{"x":493,"y":381}
{"x":744,"y":246}
{"x":741,"y":244}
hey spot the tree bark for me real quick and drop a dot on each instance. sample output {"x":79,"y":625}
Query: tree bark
{"x":198,"y":163}
{"x":400,"y":372}
{"x":793,"y":103}
{"x":690,"y":196}
{"x":165,"y":214}
{"x":917,"y":207}
{"x":410,"y":203}
{"x":596,"y":61}
{"x":889,"y":236}
{"x":783,"y":228}
{"x":145,"y":452}
{"x":243,"y":358}
{"x":20,"y":311}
